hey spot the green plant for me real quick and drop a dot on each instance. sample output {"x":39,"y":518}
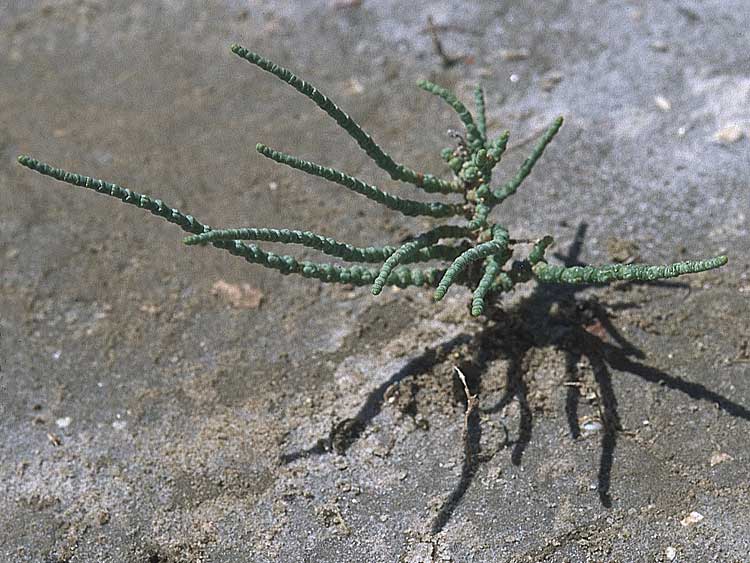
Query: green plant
{"x":480,"y":252}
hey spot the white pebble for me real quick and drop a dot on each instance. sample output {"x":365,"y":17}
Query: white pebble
{"x":662,"y":103}
{"x":63,"y":422}
{"x":729,"y":134}
{"x":592,"y":426}
{"x":719,"y":457}
{"x":692,"y":518}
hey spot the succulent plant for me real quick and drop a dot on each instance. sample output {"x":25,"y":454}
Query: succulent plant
{"x":475,"y":251}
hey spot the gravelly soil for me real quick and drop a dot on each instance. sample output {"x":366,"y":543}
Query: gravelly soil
{"x":146,"y":418}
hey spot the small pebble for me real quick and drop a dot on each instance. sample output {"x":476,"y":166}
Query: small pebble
{"x":513,"y":55}
{"x":662,"y":103}
{"x":671,"y":553}
{"x":355,"y":86}
{"x":729,"y":134}
{"x":592,"y":426}
{"x":692,"y":518}
{"x":63,"y":422}
{"x":551,"y":80}
{"x":719,"y":457}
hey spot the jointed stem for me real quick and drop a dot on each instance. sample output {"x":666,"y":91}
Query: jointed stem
{"x":405,"y":206}
{"x":512,"y":185}
{"x":156,"y":206}
{"x":382,"y":159}
{"x":498,"y":146}
{"x":475,"y":137}
{"x":327,"y":245}
{"x":537,"y":252}
{"x":285,"y":264}
{"x":331,"y":273}
{"x":410,"y":249}
{"x":481,"y":114}
{"x":498,"y":244}
{"x":631,"y":272}
{"x":489,"y":281}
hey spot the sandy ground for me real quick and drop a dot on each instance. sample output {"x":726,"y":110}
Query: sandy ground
{"x":146,"y":417}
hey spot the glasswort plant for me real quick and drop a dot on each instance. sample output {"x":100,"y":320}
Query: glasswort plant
{"x":476,"y":251}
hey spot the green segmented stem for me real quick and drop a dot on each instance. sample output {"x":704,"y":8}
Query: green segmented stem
{"x":411,"y":248}
{"x":493,"y":279}
{"x":479,"y":220}
{"x":497,"y":147}
{"x":491,"y":269}
{"x":537,"y":251}
{"x":512,"y":185}
{"x":502,"y":283}
{"x":325,"y":272}
{"x":402,"y":277}
{"x":498,"y":244}
{"x":439,"y":252}
{"x":481,"y":113}
{"x":156,"y":206}
{"x":396,"y":171}
{"x":630,"y":272}
{"x":472,"y":131}
{"x":406,"y":206}
{"x":327,"y":245}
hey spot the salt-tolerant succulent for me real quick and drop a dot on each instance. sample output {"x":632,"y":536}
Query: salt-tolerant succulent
{"x":476,"y":252}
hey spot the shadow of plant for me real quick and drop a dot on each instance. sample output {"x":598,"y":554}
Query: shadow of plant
{"x":553,"y":315}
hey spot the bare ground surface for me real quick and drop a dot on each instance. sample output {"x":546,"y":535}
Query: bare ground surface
{"x":144,"y":418}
